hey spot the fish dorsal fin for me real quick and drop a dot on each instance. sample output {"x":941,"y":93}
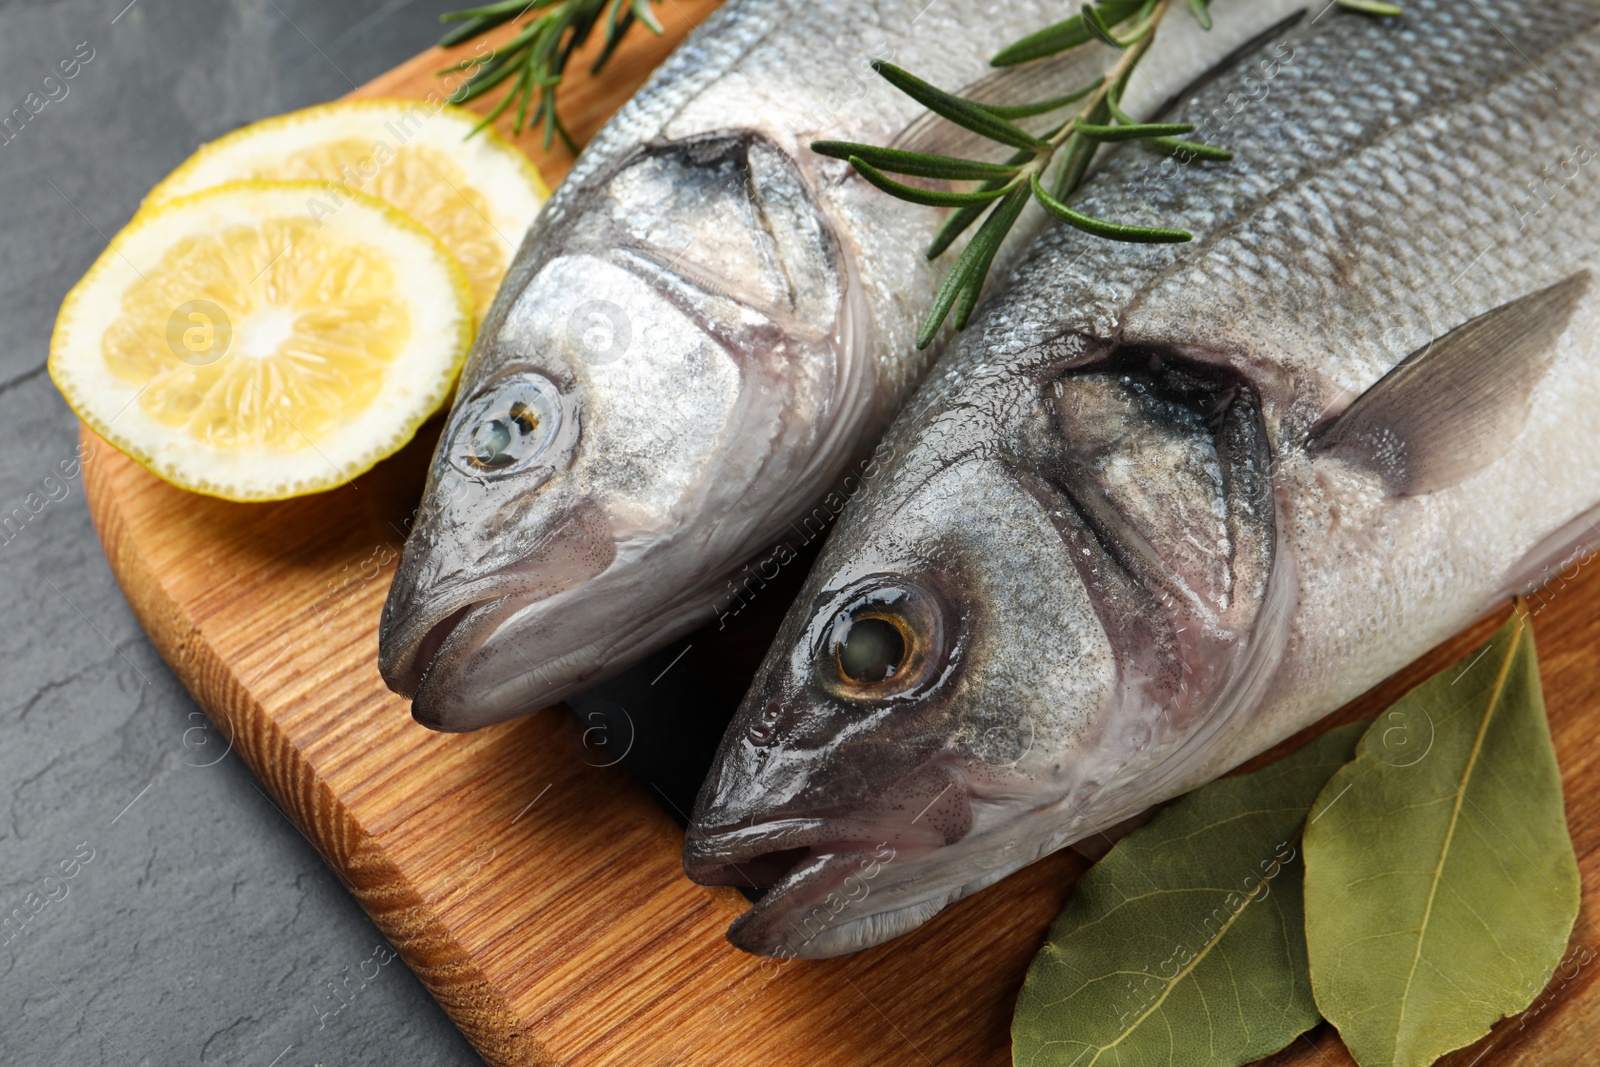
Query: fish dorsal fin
{"x":1022,"y":84}
{"x":1456,"y":405}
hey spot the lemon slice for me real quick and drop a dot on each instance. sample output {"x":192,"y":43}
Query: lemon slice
{"x":240,"y":344}
{"x":476,"y":194}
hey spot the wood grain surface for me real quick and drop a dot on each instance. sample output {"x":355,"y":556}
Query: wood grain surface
{"x":538,"y":895}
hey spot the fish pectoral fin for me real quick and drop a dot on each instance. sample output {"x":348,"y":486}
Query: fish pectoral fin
{"x":1455,"y":405}
{"x":1022,"y":84}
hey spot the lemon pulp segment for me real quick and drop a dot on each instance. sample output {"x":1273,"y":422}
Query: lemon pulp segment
{"x":313,"y":323}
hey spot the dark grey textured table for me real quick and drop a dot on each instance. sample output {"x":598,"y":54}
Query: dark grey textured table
{"x":161,"y":910}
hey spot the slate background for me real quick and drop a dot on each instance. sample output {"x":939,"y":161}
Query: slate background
{"x":204,"y":930}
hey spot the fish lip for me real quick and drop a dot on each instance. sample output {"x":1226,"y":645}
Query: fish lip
{"x":406,"y":654}
{"x":769,"y":928}
{"x":403,"y":672}
{"x":812,"y":881}
{"x":423,"y":619}
{"x":729,"y":857}
{"x":802,"y":862}
{"x":451,"y":697}
{"x":430,"y":703}
{"x":441,"y":634}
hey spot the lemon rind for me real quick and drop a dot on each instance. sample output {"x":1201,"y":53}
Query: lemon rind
{"x":480,"y":155}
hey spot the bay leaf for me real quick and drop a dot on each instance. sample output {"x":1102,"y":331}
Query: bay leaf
{"x":1441,"y":883}
{"x":1185,"y":944}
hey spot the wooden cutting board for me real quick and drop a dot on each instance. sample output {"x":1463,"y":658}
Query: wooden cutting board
{"x":537,"y":892}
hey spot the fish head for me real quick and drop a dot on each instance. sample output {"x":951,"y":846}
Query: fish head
{"x":645,"y":386}
{"x":975,"y":674}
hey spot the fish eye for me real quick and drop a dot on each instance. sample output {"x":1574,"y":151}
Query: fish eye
{"x":508,"y":427}
{"x":884,"y":640}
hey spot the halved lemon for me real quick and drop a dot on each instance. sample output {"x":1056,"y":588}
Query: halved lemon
{"x":241,"y":343}
{"x":477,"y":194}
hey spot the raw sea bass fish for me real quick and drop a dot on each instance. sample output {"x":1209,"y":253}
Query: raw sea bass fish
{"x":1160,"y":507}
{"x":704,"y":328}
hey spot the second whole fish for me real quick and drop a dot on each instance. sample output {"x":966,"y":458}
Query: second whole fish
{"x":1160,"y":508}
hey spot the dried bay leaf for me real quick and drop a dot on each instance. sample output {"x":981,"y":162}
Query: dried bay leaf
{"x":1185,"y":944}
{"x":1441,"y":884}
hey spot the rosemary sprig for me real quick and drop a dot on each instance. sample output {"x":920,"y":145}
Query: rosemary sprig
{"x":1048,"y":167}
{"x":535,"y":60}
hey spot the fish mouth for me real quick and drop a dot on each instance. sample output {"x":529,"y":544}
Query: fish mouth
{"x":490,"y":659}
{"x":407,"y":671}
{"x":458,"y":648}
{"x":541,"y":629}
{"x":835,"y":883}
{"x":483,"y":663}
{"x":812,"y":904}
{"x":425,"y":668}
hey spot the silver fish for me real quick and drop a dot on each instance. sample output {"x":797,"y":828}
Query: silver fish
{"x":1162,"y":507}
{"x":707,"y":324}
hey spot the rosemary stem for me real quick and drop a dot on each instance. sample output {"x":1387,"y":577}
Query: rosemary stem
{"x":1139,"y":40}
